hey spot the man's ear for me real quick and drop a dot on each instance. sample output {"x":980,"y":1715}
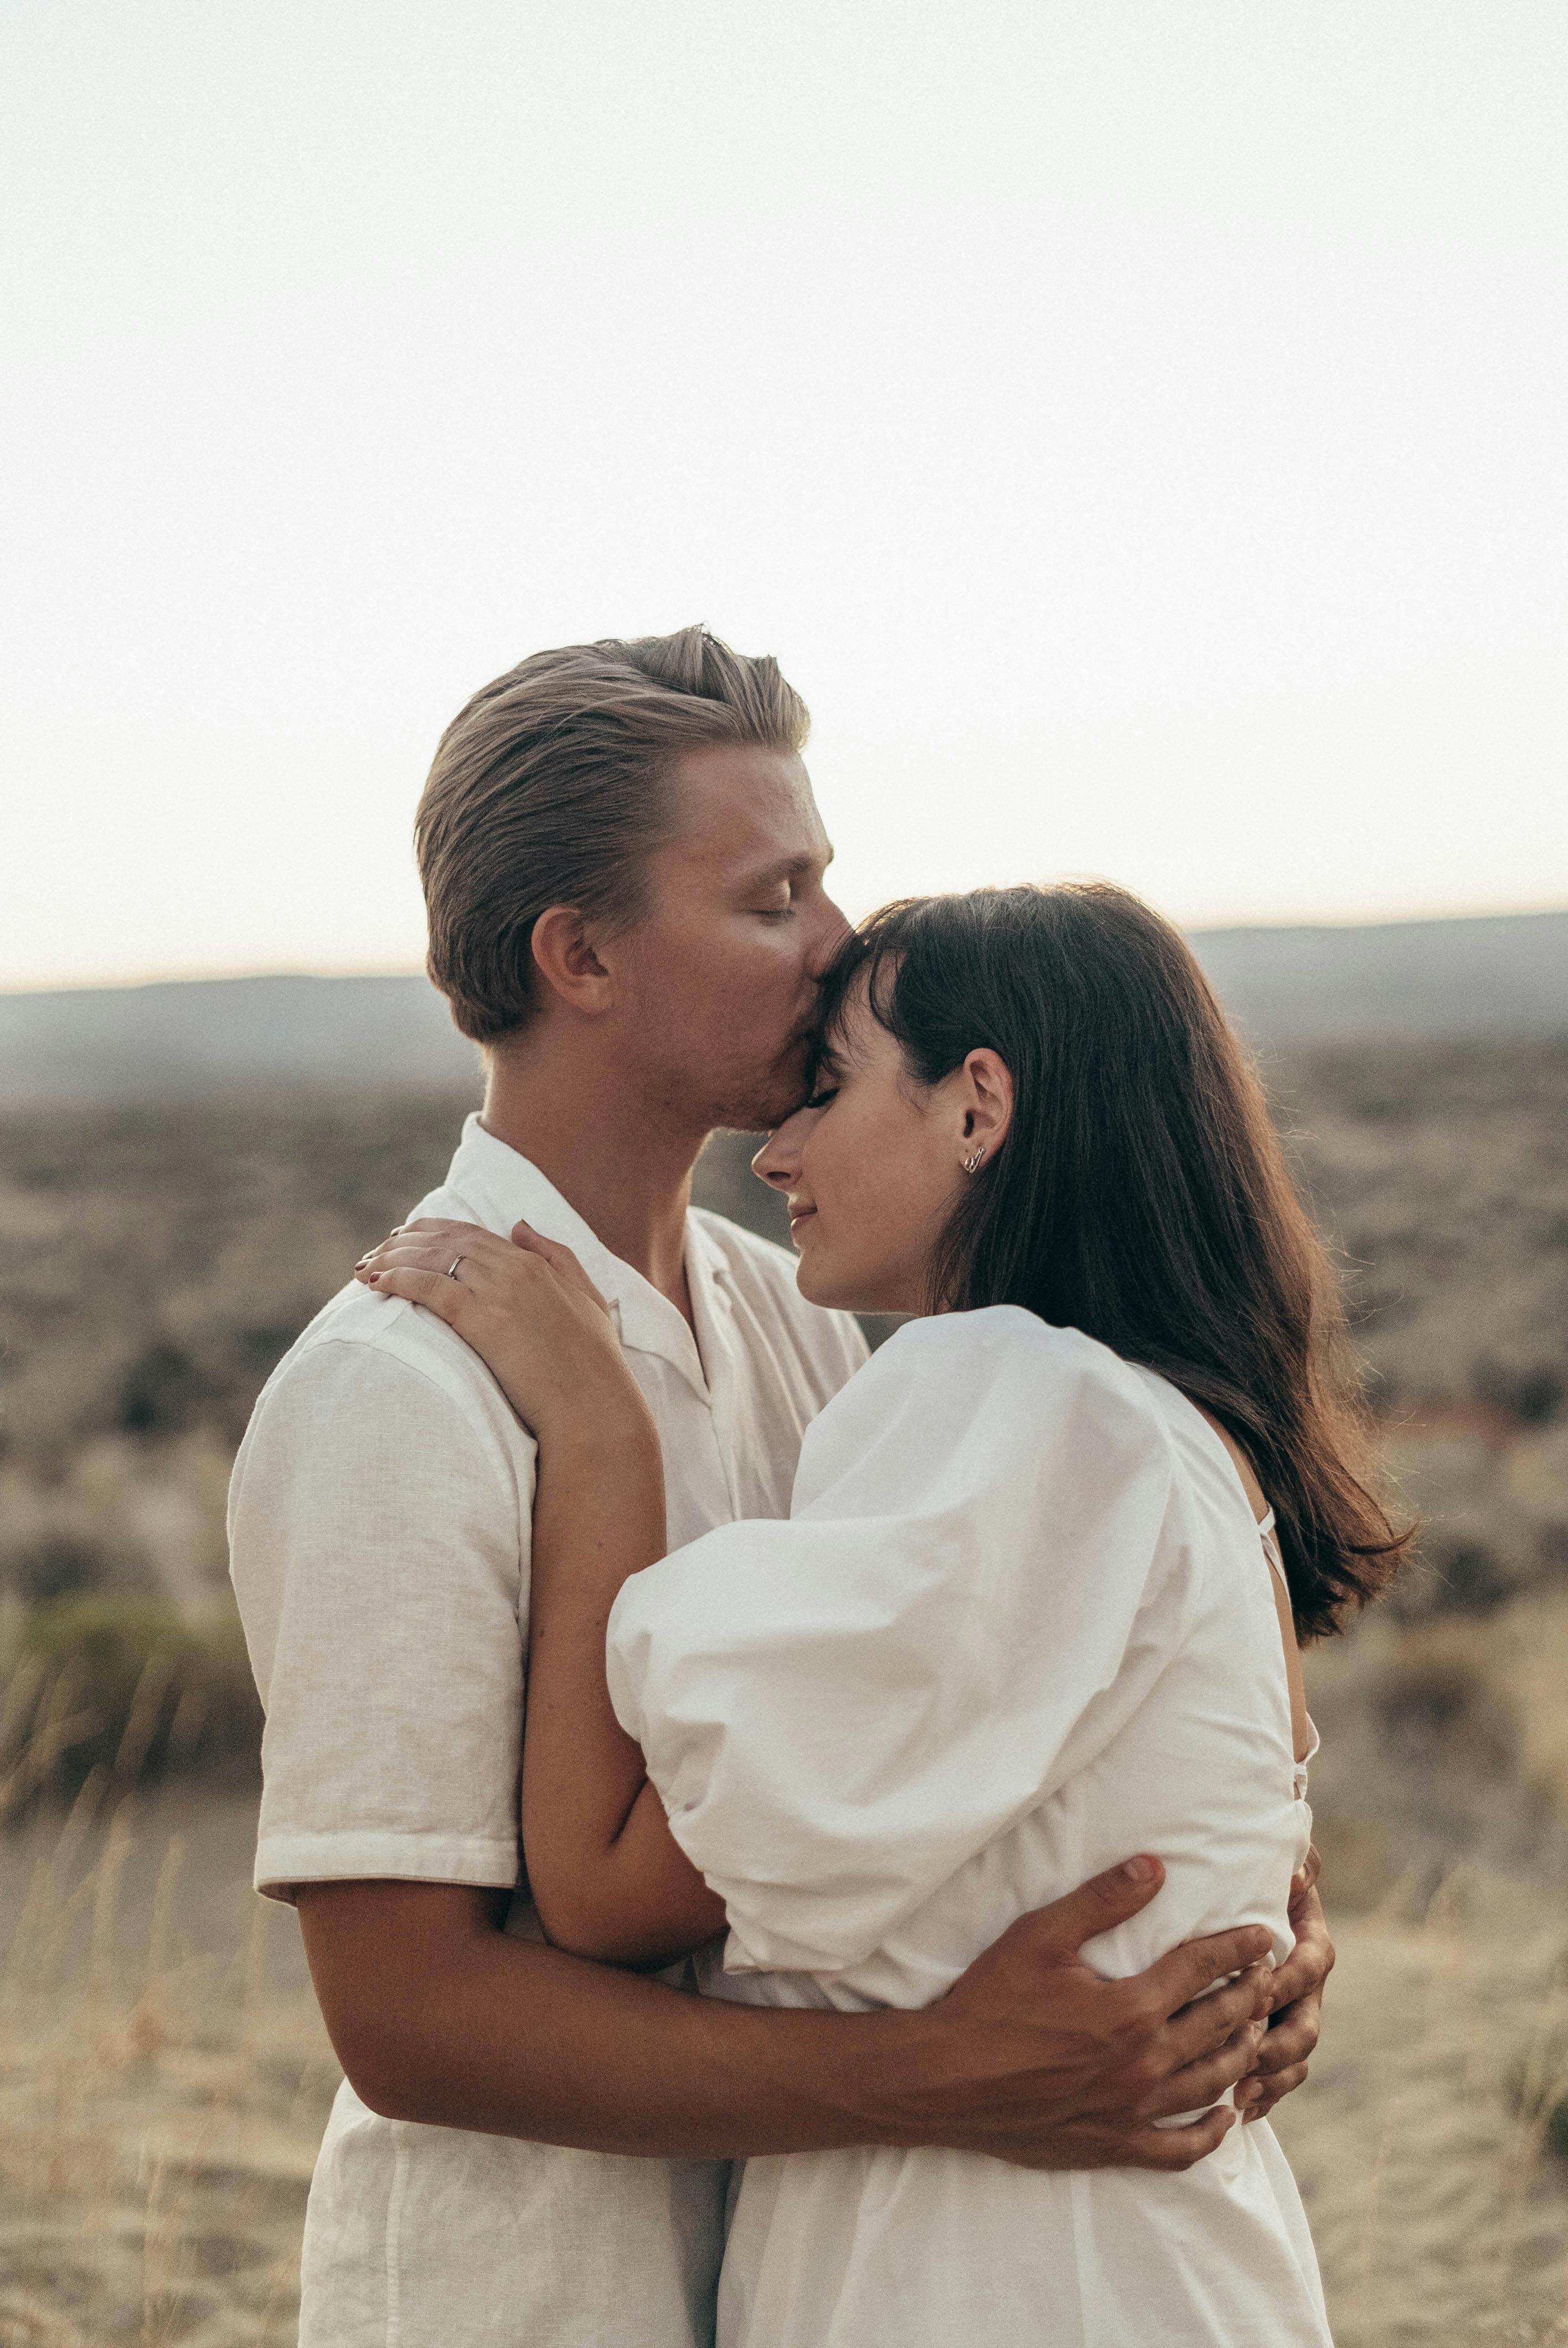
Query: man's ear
{"x":567,"y":959}
{"x":986,"y":1100}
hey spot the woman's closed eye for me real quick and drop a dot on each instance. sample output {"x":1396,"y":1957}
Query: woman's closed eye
{"x":820,"y":1096}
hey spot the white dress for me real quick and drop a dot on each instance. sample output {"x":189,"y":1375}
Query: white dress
{"x":1016,"y":1628}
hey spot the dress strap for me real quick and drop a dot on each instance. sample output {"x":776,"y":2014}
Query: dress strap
{"x":1270,"y":1540}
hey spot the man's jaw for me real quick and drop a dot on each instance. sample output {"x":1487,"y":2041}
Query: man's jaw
{"x":778,"y":1095}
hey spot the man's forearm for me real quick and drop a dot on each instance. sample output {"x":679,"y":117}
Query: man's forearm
{"x":478,"y":2031}
{"x":438,"y":2016}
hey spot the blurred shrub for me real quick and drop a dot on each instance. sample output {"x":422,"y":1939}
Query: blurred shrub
{"x":1432,"y":1699}
{"x":1554,"y":2134}
{"x":117,"y":1682}
{"x":162,"y":1392}
{"x":1469,"y":1577}
{"x":57,"y":1565}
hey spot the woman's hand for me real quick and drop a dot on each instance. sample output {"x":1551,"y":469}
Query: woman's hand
{"x":530,"y":1312}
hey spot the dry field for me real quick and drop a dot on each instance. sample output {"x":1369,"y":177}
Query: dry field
{"x":164,"y":2079}
{"x":163,"y":2076}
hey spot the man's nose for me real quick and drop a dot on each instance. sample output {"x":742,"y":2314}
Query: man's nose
{"x":831,"y":929}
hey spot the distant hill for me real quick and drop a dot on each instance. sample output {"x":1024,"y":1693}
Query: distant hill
{"x":1505,"y":975}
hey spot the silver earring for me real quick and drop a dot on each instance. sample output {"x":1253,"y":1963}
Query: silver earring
{"x":973,"y":1161}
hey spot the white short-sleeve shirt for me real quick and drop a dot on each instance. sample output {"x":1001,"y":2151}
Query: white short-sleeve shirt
{"x":379,"y":1530}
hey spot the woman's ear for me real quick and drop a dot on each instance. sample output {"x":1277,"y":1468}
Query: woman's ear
{"x":567,"y":960}
{"x":988,"y":1103}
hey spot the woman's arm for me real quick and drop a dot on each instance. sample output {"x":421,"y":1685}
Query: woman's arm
{"x":607,"y":1876}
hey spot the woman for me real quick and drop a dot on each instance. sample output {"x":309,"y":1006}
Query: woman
{"x":1035,"y":1604}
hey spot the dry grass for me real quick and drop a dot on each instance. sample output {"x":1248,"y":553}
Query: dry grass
{"x":164,"y":2079}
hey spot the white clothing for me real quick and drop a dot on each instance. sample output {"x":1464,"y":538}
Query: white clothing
{"x":379,"y":1525}
{"x":1017,"y":1626}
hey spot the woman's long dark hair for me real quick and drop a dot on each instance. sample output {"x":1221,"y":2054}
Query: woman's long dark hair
{"x":1142,"y":1194}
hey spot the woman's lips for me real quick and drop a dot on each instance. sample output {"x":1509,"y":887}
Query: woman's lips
{"x":798,"y":1215}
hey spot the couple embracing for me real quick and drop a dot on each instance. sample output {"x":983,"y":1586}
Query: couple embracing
{"x":890,"y":1917}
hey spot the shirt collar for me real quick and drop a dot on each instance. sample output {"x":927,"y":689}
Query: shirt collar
{"x":500,"y":1187}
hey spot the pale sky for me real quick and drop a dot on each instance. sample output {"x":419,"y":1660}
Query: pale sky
{"x":1138,"y":429}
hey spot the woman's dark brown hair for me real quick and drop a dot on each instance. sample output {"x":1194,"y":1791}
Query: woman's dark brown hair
{"x":1142,"y":1195}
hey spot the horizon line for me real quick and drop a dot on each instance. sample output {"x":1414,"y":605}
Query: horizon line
{"x":222,"y":974}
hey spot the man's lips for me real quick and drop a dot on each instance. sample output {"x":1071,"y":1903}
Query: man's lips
{"x":798,"y":1215}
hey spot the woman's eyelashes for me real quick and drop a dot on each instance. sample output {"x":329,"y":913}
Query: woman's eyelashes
{"x":820,"y":1096}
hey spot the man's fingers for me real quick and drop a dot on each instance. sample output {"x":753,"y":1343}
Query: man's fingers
{"x":1258,"y":2097}
{"x":1105,"y":1900}
{"x":1201,"y":2030}
{"x":1308,"y":1873}
{"x":1185,"y":1973}
{"x":1293,"y":2038}
{"x":1201,"y":2084}
{"x":1178,"y":2148}
{"x":1195,"y":2030}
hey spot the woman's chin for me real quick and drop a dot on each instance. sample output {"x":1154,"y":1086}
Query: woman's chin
{"x":835,"y":1289}
{"x":815,"y":1279}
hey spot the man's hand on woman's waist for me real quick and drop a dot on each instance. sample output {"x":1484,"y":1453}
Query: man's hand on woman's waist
{"x":438,"y":2016}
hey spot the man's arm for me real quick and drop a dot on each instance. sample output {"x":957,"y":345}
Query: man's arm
{"x":438,"y":2016}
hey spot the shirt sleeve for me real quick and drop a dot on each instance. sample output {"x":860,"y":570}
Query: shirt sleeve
{"x":378,"y":1539}
{"x":840,"y":1710}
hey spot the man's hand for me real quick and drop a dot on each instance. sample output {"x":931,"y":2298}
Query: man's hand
{"x":1298,"y":2002}
{"x":438,"y":2016}
{"x":1034,"y":2058}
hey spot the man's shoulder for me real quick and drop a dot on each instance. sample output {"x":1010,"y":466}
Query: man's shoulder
{"x":765,"y":1275}
{"x":361,"y":1347}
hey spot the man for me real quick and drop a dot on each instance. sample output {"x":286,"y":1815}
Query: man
{"x":623,"y":867}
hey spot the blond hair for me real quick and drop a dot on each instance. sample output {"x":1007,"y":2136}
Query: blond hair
{"x":547,"y":788}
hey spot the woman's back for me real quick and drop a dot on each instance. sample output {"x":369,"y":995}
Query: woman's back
{"x":1020,"y":1625}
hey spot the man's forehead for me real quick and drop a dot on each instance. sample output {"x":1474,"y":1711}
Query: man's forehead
{"x":745,"y":804}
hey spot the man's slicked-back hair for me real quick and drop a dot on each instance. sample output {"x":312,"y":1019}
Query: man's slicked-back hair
{"x":548,"y":789}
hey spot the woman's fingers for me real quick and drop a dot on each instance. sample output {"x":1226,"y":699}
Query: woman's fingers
{"x":432,"y":1230}
{"x":560,"y":1260}
{"x":438,"y":1294}
{"x":397,"y":1258}
{"x":437,"y":1244}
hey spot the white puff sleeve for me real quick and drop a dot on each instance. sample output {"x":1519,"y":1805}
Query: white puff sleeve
{"x":839,"y":1710}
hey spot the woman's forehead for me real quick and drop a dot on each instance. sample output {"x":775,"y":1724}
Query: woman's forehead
{"x":854,"y":1033}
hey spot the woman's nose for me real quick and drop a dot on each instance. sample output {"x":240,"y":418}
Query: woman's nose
{"x":777,"y":1162}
